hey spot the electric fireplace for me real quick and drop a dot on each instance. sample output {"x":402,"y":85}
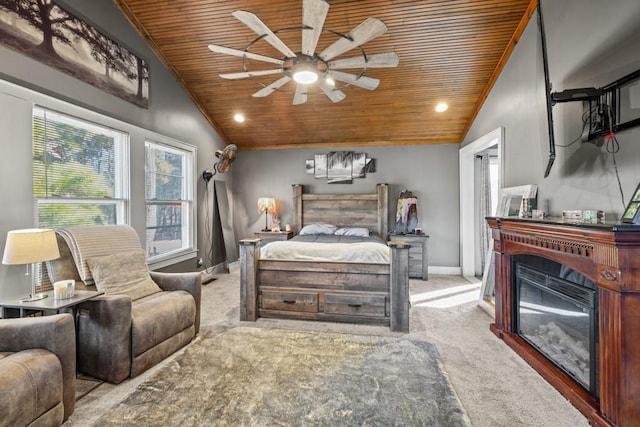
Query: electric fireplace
{"x":567,"y":300}
{"x":556,"y":312}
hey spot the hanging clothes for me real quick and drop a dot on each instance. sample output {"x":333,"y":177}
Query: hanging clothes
{"x":406,"y":213}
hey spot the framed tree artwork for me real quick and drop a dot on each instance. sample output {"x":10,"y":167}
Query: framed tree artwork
{"x":54,"y":36}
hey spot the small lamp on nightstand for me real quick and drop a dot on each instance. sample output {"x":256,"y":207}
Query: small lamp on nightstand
{"x":266,"y":205}
{"x":30,"y":246}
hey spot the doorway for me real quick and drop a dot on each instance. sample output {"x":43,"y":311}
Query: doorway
{"x":469,"y":222}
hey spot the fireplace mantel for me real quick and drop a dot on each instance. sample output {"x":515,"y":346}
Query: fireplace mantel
{"x":608,"y":255}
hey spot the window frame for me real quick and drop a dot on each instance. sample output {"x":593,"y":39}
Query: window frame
{"x":189,"y":190}
{"x":122,"y":177}
{"x":137,"y":134}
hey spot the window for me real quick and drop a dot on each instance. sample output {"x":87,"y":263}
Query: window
{"x":80,"y":171}
{"x":169,"y":198}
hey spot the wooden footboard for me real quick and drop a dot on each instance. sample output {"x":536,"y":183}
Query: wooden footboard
{"x":368,"y":293}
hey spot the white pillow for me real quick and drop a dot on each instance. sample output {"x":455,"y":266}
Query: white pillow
{"x":352,"y":231}
{"x":318,"y":229}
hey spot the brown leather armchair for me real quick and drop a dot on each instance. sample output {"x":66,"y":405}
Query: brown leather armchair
{"x":121,"y":337}
{"x":37,"y":370}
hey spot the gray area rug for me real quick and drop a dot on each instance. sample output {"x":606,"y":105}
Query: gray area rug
{"x":248,"y":376}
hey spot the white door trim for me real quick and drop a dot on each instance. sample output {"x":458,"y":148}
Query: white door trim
{"x":467,"y":213}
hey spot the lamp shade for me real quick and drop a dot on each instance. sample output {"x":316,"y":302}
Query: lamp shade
{"x":266,"y":204}
{"x":29,"y":246}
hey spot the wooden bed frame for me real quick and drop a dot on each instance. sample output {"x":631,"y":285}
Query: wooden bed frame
{"x":352,"y":292}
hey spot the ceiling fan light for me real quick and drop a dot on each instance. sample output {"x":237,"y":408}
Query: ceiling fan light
{"x":305,"y":72}
{"x":305,"y":77}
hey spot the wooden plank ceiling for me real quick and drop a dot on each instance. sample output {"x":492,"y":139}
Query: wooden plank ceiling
{"x":450,"y":51}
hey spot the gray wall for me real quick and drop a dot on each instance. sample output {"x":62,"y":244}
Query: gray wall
{"x":589,"y":43}
{"x":171,"y":113}
{"x":430,"y":171}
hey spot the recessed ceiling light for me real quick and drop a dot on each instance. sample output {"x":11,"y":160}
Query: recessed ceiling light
{"x":238,"y":117}
{"x":441,"y":107}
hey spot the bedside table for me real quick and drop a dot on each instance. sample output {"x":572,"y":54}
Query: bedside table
{"x":273,"y":236}
{"x":15,"y":308}
{"x":418,"y":254}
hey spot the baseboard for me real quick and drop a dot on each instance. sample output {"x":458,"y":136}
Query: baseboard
{"x":234,"y":266}
{"x":451,"y":271}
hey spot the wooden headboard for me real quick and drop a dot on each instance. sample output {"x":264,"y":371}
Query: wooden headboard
{"x":369,"y":210}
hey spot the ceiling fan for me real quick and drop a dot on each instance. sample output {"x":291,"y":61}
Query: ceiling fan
{"x":308,"y":66}
{"x":226,"y":156}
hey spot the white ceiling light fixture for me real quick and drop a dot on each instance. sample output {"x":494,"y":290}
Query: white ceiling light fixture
{"x":308,"y":67}
{"x":441,"y":107}
{"x":305,"y":73}
{"x":238,"y":118}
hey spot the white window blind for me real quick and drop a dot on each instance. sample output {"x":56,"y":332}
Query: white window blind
{"x":169,"y":198}
{"x":80,"y":171}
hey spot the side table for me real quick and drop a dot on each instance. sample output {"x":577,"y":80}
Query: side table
{"x":15,"y":308}
{"x":418,"y":253}
{"x":273,"y":236}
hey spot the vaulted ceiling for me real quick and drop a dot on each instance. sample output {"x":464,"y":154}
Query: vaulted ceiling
{"x":449,"y":51}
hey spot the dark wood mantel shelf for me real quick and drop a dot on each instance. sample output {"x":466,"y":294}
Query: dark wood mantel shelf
{"x":608,"y":255}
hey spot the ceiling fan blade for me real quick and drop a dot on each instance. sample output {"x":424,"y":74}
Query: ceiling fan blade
{"x":334,"y":94}
{"x":300,"y":96}
{"x":268,"y":90}
{"x":314,"y":13}
{"x":368,"y":30}
{"x":241,"y":53}
{"x":363,"y":81}
{"x":245,"y":74}
{"x":252,"y":21}
{"x":378,"y":60}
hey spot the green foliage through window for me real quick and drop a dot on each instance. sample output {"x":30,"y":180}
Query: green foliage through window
{"x":79,"y":171}
{"x":168,"y":196}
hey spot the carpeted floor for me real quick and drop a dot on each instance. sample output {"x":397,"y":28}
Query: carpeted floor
{"x":495,"y":387}
{"x":249,"y":376}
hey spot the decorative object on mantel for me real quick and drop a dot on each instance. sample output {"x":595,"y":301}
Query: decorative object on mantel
{"x":512,"y":201}
{"x":586,"y":216}
{"x":632,"y":212}
{"x":340,"y":167}
{"x":74,"y":47}
{"x":267,"y":205}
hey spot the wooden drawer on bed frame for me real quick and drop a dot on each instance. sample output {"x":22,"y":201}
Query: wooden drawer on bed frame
{"x":320,"y":303}
{"x":306,"y":302}
{"x":355,"y":305}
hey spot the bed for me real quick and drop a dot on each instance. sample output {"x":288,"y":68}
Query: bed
{"x":354,"y":291}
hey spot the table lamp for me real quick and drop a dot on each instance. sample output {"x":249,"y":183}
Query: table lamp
{"x":28,"y":247}
{"x":266,"y":205}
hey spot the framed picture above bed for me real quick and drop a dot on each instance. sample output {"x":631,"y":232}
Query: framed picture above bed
{"x":340,"y":167}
